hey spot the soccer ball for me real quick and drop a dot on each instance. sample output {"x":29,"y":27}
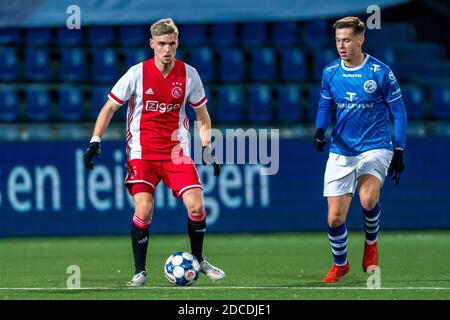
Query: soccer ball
{"x":182,"y":269}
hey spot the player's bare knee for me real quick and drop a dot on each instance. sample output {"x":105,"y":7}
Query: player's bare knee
{"x":368,"y":202}
{"x":143,"y":210}
{"x":336,"y":219}
{"x":335,"y":223}
{"x":196,"y":210}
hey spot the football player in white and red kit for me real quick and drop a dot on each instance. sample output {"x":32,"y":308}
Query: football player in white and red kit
{"x":157,"y":142}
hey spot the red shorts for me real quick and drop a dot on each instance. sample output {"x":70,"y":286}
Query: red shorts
{"x":144,"y":176}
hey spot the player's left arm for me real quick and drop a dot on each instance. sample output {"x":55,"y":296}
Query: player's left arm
{"x":204,"y":122}
{"x":393,"y":97}
{"x":397,"y":108}
{"x":197,"y":99}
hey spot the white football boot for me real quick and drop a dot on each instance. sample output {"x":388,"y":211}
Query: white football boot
{"x":213,"y":273}
{"x":138,"y":279}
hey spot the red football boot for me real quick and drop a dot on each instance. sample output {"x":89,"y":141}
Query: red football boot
{"x":370,"y":255}
{"x":336,"y":273}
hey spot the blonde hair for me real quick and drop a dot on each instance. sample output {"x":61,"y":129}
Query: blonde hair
{"x":162,"y":27}
{"x":350,"y":22}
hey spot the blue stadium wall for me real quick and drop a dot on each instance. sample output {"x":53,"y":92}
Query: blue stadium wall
{"x":44,"y":190}
{"x":25,"y":13}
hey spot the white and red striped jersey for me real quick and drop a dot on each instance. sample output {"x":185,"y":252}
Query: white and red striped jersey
{"x":156,"y":119}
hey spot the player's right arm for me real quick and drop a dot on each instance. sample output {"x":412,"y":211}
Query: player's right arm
{"x":120,"y":93}
{"x":102,"y":123}
{"x":324,"y":113}
{"x":104,"y":118}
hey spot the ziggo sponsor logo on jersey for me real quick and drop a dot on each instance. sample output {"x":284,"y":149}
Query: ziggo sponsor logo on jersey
{"x":161,"y":107}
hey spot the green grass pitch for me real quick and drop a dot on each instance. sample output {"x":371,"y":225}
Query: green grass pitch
{"x":413,"y":265}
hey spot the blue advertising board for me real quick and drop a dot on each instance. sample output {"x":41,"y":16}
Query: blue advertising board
{"x":45,"y":190}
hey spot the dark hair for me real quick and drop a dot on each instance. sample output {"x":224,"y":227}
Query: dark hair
{"x":350,"y":22}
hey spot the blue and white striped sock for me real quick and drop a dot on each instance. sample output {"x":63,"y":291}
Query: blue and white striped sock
{"x":372,"y":223}
{"x":338,"y":241}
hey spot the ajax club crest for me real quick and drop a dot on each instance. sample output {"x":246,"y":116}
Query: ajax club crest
{"x":177,"y":91}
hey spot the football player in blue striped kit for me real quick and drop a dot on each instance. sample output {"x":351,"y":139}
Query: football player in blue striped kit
{"x":359,"y":91}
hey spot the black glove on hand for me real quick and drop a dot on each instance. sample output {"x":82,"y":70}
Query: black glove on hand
{"x":91,"y":151}
{"x":397,"y":166}
{"x":319,"y":140}
{"x":208,"y":158}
